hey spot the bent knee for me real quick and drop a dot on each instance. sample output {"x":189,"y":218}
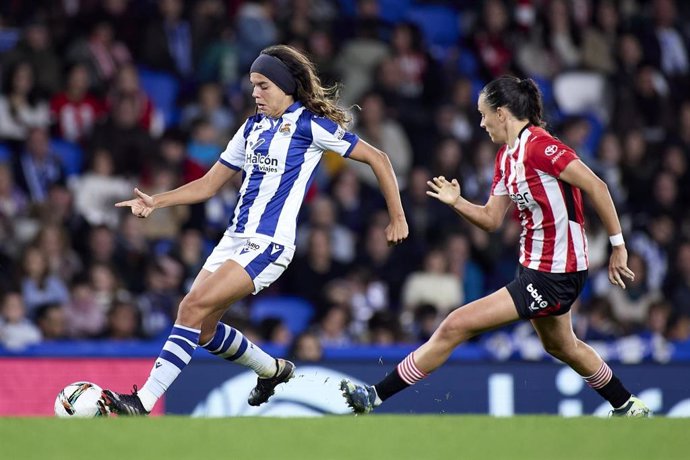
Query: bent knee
{"x":193,"y":308}
{"x":452,"y":330}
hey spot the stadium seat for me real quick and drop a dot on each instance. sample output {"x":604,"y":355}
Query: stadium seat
{"x":440,"y":25}
{"x":578,"y":93}
{"x":394,"y":11}
{"x":162,"y":88}
{"x":295,"y":312}
{"x":5,"y":154}
{"x":70,"y":154}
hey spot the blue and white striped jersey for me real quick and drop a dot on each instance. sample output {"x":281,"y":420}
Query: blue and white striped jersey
{"x":278,"y":159}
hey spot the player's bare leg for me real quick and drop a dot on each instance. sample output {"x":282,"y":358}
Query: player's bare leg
{"x":559,"y":340}
{"x":208,"y":298}
{"x":487,"y":313}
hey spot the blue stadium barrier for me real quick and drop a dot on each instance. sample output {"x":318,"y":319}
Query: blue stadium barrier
{"x":293,"y":311}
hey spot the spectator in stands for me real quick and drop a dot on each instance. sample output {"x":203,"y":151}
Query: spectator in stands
{"x":360,"y":56}
{"x":353,"y":200}
{"x":677,"y":286}
{"x":14,"y":206}
{"x":191,"y":251}
{"x":608,"y":166}
{"x":173,"y":154}
{"x":374,"y":126}
{"x":654,"y":244}
{"x":658,"y":318}
{"x":204,"y":143}
{"x":132,"y":253}
{"x":457,"y":250}
{"x":599,"y":40}
{"x":322,"y":214}
{"x":51,"y":321}
{"x":84,"y":315}
{"x":434,"y":285}
{"x":167,"y":223}
{"x":424,"y":322}
{"x":630,"y":307}
{"x":332,"y":328}
{"x":38,"y":285}
{"x":665,"y":44}
{"x":493,"y":39}
{"x":158,"y":302}
{"x":100,"y":246}
{"x":54,"y":242}
{"x":21,"y":107}
{"x":106,"y":285}
{"x":16,"y":330}
{"x":36,"y":49}
{"x":131,"y":145}
{"x":274,"y":331}
{"x":384,"y":329}
{"x":101,"y":52}
{"x":169,"y":41}
{"x":98,"y":188}
{"x":306,"y":347}
{"x":310,"y":272}
{"x":38,"y":167}
{"x":123,"y":322}
{"x":209,"y":106}
{"x":255,"y":30}
{"x":597,"y":321}
{"x":126,"y":86}
{"x":75,"y":110}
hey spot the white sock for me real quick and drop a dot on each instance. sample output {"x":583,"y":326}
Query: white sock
{"x":230,"y":344}
{"x":175,"y":355}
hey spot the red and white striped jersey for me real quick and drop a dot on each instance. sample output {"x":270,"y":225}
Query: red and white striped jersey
{"x":553,"y":235}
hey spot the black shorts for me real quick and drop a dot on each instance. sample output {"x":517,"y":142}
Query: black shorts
{"x":537,"y":294}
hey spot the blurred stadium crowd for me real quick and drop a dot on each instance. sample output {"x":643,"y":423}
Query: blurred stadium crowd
{"x":100,"y":96}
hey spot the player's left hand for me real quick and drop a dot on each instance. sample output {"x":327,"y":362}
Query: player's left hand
{"x":618,"y":266}
{"x":397,"y":231}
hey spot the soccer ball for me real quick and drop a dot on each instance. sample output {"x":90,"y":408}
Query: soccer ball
{"x":80,"y":399}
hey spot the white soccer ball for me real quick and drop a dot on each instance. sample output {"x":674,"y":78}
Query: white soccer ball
{"x":80,"y":399}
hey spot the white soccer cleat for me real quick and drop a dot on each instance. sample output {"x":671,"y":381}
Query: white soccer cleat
{"x":633,"y":408}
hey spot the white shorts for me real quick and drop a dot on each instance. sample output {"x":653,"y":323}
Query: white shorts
{"x":263,"y":259}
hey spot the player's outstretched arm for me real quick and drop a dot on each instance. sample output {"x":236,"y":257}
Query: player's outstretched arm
{"x":193,"y":192}
{"x":488,"y":217}
{"x":397,"y":230}
{"x":579,"y":175}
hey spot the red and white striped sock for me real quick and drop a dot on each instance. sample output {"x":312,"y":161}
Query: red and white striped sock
{"x":409,"y":372}
{"x":600,"y":378}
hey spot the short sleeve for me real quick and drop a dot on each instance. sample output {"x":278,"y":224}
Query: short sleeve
{"x":328,"y":135}
{"x":551,"y":156}
{"x":498,"y":186}
{"x":233,"y":155}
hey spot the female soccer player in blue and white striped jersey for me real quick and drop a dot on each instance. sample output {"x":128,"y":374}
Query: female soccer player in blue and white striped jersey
{"x":277,"y":151}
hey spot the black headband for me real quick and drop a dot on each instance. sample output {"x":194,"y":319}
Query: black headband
{"x":275,"y":70}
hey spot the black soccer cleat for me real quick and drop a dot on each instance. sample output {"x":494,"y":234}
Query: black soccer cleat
{"x":265,"y":388}
{"x":123,"y":404}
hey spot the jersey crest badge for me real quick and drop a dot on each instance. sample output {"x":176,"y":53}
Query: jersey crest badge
{"x":284,"y":128}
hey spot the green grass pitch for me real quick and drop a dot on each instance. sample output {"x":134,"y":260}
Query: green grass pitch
{"x":379,"y":437}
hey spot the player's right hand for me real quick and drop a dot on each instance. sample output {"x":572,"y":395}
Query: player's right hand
{"x":444,"y":191}
{"x":142,"y":206}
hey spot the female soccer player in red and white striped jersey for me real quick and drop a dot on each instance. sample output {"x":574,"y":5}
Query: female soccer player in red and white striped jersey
{"x":544,"y":179}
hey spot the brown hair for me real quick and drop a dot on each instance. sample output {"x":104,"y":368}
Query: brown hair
{"x":310,"y":92}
